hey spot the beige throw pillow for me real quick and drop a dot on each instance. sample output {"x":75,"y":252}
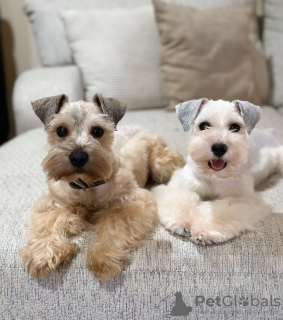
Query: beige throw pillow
{"x":209,"y":53}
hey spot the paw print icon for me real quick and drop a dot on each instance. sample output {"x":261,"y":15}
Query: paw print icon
{"x":243,"y":301}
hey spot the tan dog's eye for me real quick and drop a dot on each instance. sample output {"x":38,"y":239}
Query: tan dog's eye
{"x":234,"y":127}
{"x":61,"y":132}
{"x":204,"y":126}
{"x":97,"y":132}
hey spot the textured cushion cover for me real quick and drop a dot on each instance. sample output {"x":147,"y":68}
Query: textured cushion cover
{"x":273,"y":46}
{"x":209,"y":53}
{"x":249,"y":265}
{"x":117,"y":53}
{"x":43,"y":82}
{"x":49,"y":32}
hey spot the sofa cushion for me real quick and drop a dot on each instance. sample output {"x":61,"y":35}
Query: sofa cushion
{"x":250,"y":266}
{"x":273,"y":46}
{"x":117,"y":53}
{"x":209,"y":53}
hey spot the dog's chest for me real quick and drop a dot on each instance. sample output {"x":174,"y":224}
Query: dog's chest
{"x":93,"y":199}
{"x":220,"y":188}
{"x":98,"y":198}
{"x":209,"y":189}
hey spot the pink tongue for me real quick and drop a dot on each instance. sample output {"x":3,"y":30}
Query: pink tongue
{"x":217,"y":164}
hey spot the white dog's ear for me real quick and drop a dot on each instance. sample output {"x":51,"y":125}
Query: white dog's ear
{"x":249,"y":112}
{"x":187,"y":111}
{"x":45,"y":108}
{"x":112,"y":107}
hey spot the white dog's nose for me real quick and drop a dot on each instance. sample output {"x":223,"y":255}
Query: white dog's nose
{"x":219,"y":149}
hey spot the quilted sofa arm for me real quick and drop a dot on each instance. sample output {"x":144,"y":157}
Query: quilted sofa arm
{"x":43,"y":82}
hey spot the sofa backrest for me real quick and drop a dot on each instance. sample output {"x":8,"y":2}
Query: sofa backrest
{"x":49,"y":31}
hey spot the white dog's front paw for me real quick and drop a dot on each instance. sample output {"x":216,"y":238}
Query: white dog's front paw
{"x":180,"y":227}
{"x":209,"y":237}
{"x":183,"y":232}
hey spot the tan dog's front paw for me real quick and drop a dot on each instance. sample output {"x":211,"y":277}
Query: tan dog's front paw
{"x":41,"y":259}
{"x":103,"y":266}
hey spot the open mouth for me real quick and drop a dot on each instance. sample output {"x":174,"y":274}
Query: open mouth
{"x":217,"y":165}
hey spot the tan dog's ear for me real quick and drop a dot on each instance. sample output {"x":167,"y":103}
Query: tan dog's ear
{"x":112,"y":107}
{"x":188,"y":111}
{"x":45,"y":108}
{"x":249,"y":112}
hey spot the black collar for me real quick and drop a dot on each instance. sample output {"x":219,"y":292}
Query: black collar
{"x":82,"y":185}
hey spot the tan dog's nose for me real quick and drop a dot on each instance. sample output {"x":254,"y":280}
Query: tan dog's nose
{"x":78,"y":158}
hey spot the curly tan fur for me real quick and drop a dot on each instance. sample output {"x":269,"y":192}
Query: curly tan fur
{"x":121,"y":229}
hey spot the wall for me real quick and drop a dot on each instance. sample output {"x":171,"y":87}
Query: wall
{"x":24,"y":47}
{"x":19,"y":48}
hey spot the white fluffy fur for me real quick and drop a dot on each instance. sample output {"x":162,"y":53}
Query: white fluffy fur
{"x":214,"y":206}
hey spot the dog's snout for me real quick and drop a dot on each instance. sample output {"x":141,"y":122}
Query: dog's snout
{"x":78,"y":158}
{"x":219,"y":149}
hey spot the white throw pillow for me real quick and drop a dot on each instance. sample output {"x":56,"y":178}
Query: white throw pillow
{"x":117,"y":52}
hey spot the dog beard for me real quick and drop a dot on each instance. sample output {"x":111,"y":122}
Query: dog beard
{"x":58,"y":167}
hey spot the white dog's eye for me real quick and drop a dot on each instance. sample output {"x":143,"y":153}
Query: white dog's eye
{"x":204,"y":126}
{"x":234,"y":127}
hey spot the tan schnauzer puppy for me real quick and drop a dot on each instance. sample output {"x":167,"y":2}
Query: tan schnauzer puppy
{"x":95,"y":177}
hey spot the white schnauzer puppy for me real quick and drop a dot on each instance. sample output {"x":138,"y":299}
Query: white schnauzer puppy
{"x":95,"y":179}
{"x":213,"y":198}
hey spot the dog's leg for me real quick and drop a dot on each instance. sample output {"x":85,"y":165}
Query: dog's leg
{"x":163,"y":160}
{"x":221,"y":220}
{"x":271,"y":160}
{"x":208,"y":222}
{"x":175,"y":205}
{"x":48,"y":245}
{"x":121,"y":229}
{"x":149,"y":154}
{"x":136,"y":153}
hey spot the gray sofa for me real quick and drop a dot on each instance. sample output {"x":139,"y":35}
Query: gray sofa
{"x":251,"y":265}
{"x":241,"y":279}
